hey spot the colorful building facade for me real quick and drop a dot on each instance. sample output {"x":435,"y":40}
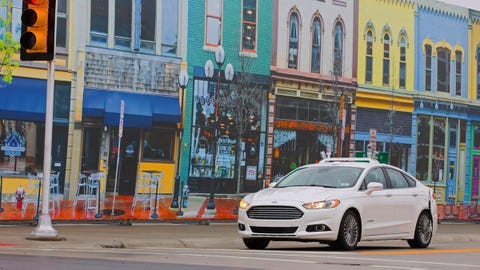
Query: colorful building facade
{"x":223,"y":149}
{"x":443,"y":108}
{"x":384,"y":100}
{"x":132,"y":53}
{"x":313,"y":74}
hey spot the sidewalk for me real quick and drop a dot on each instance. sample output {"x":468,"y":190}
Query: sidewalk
{"x":173,"y":235}
{"x":125,"y":210}
{"x":157,"y":208}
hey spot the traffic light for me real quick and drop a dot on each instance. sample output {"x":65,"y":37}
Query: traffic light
{"x":37,"y":41}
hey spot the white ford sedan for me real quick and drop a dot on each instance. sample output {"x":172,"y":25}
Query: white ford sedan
{"x":340,"y":201}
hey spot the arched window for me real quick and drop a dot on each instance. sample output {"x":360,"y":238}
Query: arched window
{"x":316,"y":45}
{"x":403,"y":63}
{"x":458,"y":73}
{"x":293,"y":42}
{"x":369,"y":58}
{"x":428,"y":68}
{"x":338,"y":50}
{"x":386,"y":60}
{"x":443,"y":70}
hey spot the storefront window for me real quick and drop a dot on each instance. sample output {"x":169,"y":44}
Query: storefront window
{"x":423,"y":136}
{"x":18,"y":142}
{"x":61,"y":108}
{"x":359,"y":146}
{"x":294,"y":148}
{"x":476,"y":136}
{"x":438,"y":149}
{"x":214,"y":147}
{"x":158,"y":144}
{"x":399,"y":154}
{"x":303,"y":110}
{"x":453,"y":134}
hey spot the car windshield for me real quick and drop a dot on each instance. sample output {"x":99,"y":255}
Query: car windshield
{"x":322,"y":176}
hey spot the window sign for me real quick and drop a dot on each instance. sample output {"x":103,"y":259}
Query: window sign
{"x":14,"y":144}
{"x":251,"y":173}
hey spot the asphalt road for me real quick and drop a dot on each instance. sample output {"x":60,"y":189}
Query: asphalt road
{"x":217,"y":246}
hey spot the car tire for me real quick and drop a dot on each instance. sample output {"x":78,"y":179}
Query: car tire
{"x":348,"y":233}
{"x":423,"y":232}
{"x":256,"y":243}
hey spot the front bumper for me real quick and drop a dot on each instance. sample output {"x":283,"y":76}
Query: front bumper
{"x":293,"y":229}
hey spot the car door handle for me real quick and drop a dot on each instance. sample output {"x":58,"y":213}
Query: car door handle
{"x":414,"y":194}
{"x":388,"y":195}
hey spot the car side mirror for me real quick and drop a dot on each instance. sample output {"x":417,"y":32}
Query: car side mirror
{"x":373,"y":186}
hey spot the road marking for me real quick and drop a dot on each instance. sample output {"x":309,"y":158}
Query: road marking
{"x":246,"y":258}
{"x":396,"y":267}
{"x":419,"y":252}
{"x":309,"y":257}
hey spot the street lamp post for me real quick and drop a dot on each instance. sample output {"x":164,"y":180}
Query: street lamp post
{"x":219,"y":59}
{"x":182,"y":83}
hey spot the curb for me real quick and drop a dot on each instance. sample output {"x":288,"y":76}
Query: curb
{"x":46,"y":238}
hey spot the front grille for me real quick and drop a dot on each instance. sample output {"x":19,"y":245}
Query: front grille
{"x":274,"y":212}
{"x":278,"y":230}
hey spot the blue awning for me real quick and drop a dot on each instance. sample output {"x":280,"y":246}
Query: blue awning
{"x":141,"y":110}
{"x":25,"y":99}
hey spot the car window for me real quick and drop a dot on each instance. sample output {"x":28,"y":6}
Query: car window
{"x":411,"y":182}
{"x":375,"y":175}
{"x":324,"y":176}
{"x":397,"y":179}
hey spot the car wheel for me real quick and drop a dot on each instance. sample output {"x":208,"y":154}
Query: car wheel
{"x":349,"y":232}
{"x":256,"y":243}
{"x":423,"y":232}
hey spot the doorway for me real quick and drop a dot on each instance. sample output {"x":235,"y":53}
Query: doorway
{"x":91,"y":148}
{"x":59,"y":151}
{"x":127,"y":172}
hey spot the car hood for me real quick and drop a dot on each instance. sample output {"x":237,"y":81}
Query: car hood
{"x":297,"y":194}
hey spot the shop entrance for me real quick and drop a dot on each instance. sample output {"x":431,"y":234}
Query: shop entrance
{"x":91,"y":148}
{"x":59,"y":152}
{"x":128,"y":161}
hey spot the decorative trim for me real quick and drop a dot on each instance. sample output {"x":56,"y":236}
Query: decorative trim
{"x":387,"y":30}
{"x":369,"y":26}
{"x":403,"y":33}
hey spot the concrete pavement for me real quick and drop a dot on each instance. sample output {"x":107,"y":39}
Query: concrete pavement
{"x":172,"y":235}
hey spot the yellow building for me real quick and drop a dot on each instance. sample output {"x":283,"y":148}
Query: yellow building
{"x":384,"y":98}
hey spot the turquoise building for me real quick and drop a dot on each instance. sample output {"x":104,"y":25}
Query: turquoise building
{"x":223,"y":146}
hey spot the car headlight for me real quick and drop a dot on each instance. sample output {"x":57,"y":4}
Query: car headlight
{"x":243,"y":204}
{"x":322,"y":204}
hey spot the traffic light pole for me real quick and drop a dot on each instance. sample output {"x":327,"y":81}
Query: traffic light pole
{"x":39,"y":17}
{"x":44,"y":229}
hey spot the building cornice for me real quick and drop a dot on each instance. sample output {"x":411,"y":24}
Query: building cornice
{"x":311,"y":78}
{"x":442,"y":8}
